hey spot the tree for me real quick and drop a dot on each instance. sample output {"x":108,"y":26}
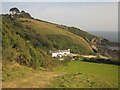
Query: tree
{"x":14,"y":10}
{"x":22,"y":12}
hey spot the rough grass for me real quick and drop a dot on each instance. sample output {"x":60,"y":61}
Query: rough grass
{"x":29,"y":41}
{"x":51,"y":29}
{"x":85,"y":74}
{"x":17,"y":76}
{"x":75,"y":74}
{"x":20,"y":44}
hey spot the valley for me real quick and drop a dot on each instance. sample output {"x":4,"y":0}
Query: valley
{"x":27,"y":61}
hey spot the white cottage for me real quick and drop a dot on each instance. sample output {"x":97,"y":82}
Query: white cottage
{"x":60,"y":53}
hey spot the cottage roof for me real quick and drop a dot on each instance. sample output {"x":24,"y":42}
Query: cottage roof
{"x":56,"y":51}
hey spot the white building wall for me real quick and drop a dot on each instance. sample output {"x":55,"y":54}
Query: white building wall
{"x":60,"y":53}
{"x":54,"y":54}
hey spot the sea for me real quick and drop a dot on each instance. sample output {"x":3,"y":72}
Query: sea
{"x":112,"y":36}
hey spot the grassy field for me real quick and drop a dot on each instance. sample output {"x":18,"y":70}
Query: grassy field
{"x":85,"y":74}
{"x":15,"y":75}
{"x":75,"y":74}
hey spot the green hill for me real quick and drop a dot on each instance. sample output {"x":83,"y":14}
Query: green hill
{"x":87,"y":36}
{"x":57,"y":38}
{"x":27,"y":61}
{"x":16,"y":47}
{"x":28,"y":41}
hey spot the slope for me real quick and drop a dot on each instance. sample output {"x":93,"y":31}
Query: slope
{"x":15,"y":48}
{"x":57,"y":37}
{"x":86,"y":75}
{"x":28,"y":41}
{"x":87,"y":36}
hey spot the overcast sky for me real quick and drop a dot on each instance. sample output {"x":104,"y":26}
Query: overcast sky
{"x":89,"y":16}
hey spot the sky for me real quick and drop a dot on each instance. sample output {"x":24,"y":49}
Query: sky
{"x":88,"y":16}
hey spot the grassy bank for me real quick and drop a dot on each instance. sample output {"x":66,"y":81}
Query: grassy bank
{"x":87,"y":75}
{"x":15,"y":75}
{"x":74,"y":74}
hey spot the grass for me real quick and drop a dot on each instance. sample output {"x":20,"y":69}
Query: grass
{"x":85,"y":73}
{"x":24,"y":43}
{"x":51,"y":29}
{"x":28,"y":41}
{"x":20,"y":45}
{"x":15,"y":75}
{"x":74,"y":74}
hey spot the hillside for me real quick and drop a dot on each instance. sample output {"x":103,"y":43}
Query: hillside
{"x":27,"y":61}
{"x":37,"y":38}
{"x":28,"y":41}
{"x":57,"y":38}
{"x":16,"y":48}
{"x":87,"y":36}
